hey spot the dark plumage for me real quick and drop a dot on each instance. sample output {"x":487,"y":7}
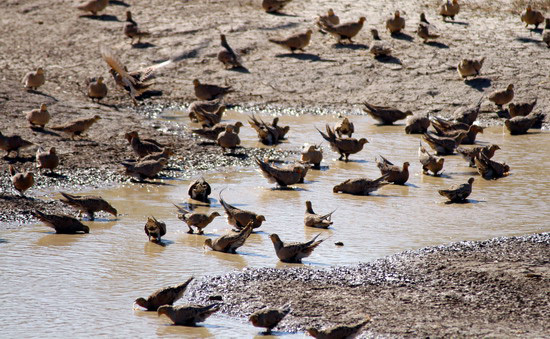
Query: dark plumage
{"x":396,"y":175}
{"x":344,"y":146}
{"x":199,"y":190}
{"x":164,"y":296}
{"x":88,"y":204}
{"x":385,"y":115}
{"x":188,"y":315}
{"x":294,"y":252}
{"x":154,"y":229}
{"x":360,"y":186}
{"x":63,"y":224}
{"x":268,"y":318}
{"x":458,"y":193}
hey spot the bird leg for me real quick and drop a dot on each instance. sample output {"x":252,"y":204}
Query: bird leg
{"x":90,"y":215}
{"x":190,"y":230}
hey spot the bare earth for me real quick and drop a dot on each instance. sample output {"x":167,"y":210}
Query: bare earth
{"x":328,"y":77}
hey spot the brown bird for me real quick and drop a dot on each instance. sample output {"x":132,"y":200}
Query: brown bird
{"x":166,"y":153}
{"x":429,"y":162}
{"x":502,"y":97}
{"x":268,"y":318}
{"x":281,"y":130}
{"x":532,"y":17}
{"x":207,"y":119}
{"x":209,"y":92}
{"x":164,"y":296}
{"x":467,"y":115}
{"x":63,"y":224}
{"x":77,"y":127}
{"x":385,"y":115}
{"x":199,"y":190}
{"x":546,"y":32}
{"x":145,"y":169}
{"x":458,"y":193}
{"x":417,"y":124}
{"x":361,"y":186}
{"x":274,"y":6}
{"x":227,"y":56}
{"x":21,"y":181}
{"x":154,"y":229}
{"x":33,"y":80}
{"x":316,"y":220}
{"x":93,"y":6}
{"x":378,"y":47}
{"x":228,"y":139}
{"x":443,"y":145}
{"x":13,"y":143}
{"x":489,"y":169}
{"x":345,"y":31}
{"x":280,"y":176}
{"x":143,"y":147}
{"x":212,"y":133}
{"x":469,"y":154}
{"x":132,"y":30}
{"x":344,"y":146}
{"x":441,"y":125}
{"x":294,"y":42}
{"x":395,"y":23}
{"x":229,"y":243}
{"x":198,"y":220}
{"x":396,"y":175}
{"x":267,"y":134}
{"x":449,"y":9}
{"x":470,"y":137}
{"x":521,"y":109}
{"x":88,"y":204}
{"x":425,"y":30}
{"x":312,"y":154}
{"x":295,"y":166}
{"x":47,"y":160}
{"x":97,"y":89}
{"x":331,"y":17}
{"x":294,"y":252}
{"x":188,"y":315}
{"x":240,"y":218}
{"x":520,"y":125}
{"x":211,"y":106}
{"x":342,"y":331}
{"x":38,"y":117}
{"x":469,"y":67}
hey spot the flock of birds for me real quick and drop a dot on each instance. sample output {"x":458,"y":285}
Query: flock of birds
{"x":445,"y":139}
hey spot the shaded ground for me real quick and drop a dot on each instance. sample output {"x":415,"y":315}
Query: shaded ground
{"x":497,"y":288}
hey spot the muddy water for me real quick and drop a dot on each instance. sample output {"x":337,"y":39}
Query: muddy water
{"x":84,"y":285}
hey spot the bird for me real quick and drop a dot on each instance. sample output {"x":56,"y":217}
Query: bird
{"x":470,"y":137}
{"x":147,"y":169}
{"x":489,"y":169}
{"x":312,"y":154}
{"x":132,"y":30}
{"x":395,"y":23}
{"x":344,"y":31}
{"x":143,"y":147}
{"x":93,"y":6}
{"x":378,"y":47}
{"x":62,"y":224}
{"x":13,"y":143}
{"x":469,"y":154}
{"x":229,"y":243}
{"x":294,"y":252}
{"x":188,"y":315}
{"x":546,"y":32}
{"x":442,"y":125}
{"x":240,"y":218}
{"x":33,"y":80}
{"x":268,"y":318}
{"x":467,"y":115}
{"x":21,"y":181}
{"x":303,"y":168}
{"x":315,"y":220}
{"x":429,"y":162}
{"x":385,"y":115}
{"x":425,"y":30}
{"x":521,"y":109}
{"x":532,"y":17}
{"x":208,"y":91}
{"x":267,"y":134}
{"x":38,"y":117}
{"x":166,"y":153}
{"x":458,"y":193}
{"x":344,"y":127}
{"x":361,"y":186}
{"x":274,"y":6}
{"x":211,"y":106}
{"x":520,"y":125}
{"x":164,"y":296}
{"x":199,"y":190}
{"x":342,"y":331}
{"x":76,"y":127}
{"x":343,"y":146}
{"x":449,"y":9}
{"x":330,"y":17}
{"x":281,"y":130}
{"x":90,"y":204}
{"x":228,"y":139}
{"x":47,"y":160}
{"x":469,"y":67}
{"x":212,"y":133}
{"x":502,"y":97}
{"x":417,"y":124}
{"x":97,"y":89}
{"x":227,"y":56}
{"x":396,"y":175}
{"x":154,"y":229}
{"x":280,"y":176}
{"x":207,"y":119}
{"x":443,"y":145}
{"x":198,"y":220}
{"x":294,"y":42}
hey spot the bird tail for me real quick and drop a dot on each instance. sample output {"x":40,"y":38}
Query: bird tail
{"x":12,"y":170}
{"x":181,"y":209}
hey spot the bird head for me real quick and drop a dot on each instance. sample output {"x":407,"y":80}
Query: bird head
{"x":141,"y":302}
{"x":96,"y":117}
{"x":397,"y":14}
{"x":215,"y":214}
{"x":43,"y":107}
{"x":406,"y":165}
{"x":471,"y":181}
{"x":510,"y":87}
{"x":39,"y":70}
{"x":274,"y":238}
{"x":362,"y":19}
{"x":111,"y":209}
{"x":260,"y":218}
{"x":164,"y":309}
{"x":52,"y":150}
{"x":476,"y":128}
{"x":128,"y":16}
{"x":313,"y":332}
{"x":363,"y":141}
{"x":253,"y":319}
{"x":440,"y":161}
{"x":336,"y":189}
{"x":196,"y":82}
{"x":374,"y":33}
{"x":207,"y":242}
{"x":238,"y":124}
{"x":330,"y":12}
{"x":309,"y":32}
{"x":100,"y":80}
